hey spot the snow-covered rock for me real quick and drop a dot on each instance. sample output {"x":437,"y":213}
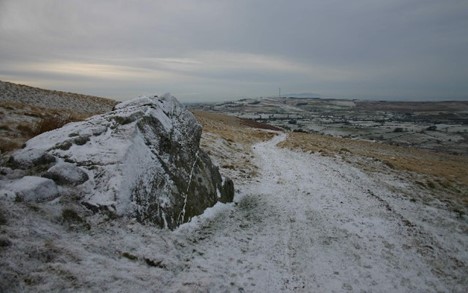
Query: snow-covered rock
{"x":141,"y":160}
{"x":7,"y":195}
{"x":34,"y":189}
{"x":67,"y":174}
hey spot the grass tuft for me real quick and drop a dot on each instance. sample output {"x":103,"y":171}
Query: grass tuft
{"x":51,"y":123}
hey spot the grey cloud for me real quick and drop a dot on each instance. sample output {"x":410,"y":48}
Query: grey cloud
{"x":366,"y":48}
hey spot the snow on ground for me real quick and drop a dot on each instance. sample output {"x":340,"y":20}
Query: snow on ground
{"x":308,"y":223}
{"x":313,"y":223}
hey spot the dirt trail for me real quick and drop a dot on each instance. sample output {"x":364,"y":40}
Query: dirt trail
{"x":314,"y":223}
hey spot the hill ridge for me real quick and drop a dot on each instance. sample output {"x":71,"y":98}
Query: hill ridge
{"x":44,"y":98}
{"x":27,"y":111}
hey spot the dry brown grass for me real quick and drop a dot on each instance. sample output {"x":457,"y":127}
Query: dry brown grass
{"x":7,"y":145}
{"x":50,"y":123}
{"x":28,"y":111}
{"x":54,"y":122}
{"x":20,"y":122}
{"x":447,"y":167}
{"x":229,"y":141}
{"x":51,"y":99}
{"x":232,"y":128}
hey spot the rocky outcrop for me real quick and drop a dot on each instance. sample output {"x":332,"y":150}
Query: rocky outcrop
{"x":141,"y":160}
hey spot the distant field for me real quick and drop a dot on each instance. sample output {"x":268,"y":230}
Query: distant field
{"x":443,"y":106}
{"x":437,"y":126}
{"x":443,"y":176}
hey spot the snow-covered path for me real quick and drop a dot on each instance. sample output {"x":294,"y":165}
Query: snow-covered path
{"x":310,"y":224}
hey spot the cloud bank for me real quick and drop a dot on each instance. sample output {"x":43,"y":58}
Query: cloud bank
{"x":209,"y":50}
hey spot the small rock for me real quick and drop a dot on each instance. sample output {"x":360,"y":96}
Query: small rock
{"x":29,"y":158}
{"x":35,"y":189}
{"x":67,"y":174}
{"x":7,"y":195}
{"x":4,"y":242}
{"x":81,"y":140}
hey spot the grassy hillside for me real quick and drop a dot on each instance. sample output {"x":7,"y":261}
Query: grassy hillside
{"x":28,"y":111}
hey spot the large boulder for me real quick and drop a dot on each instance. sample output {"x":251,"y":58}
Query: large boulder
{"x":141,"y":160}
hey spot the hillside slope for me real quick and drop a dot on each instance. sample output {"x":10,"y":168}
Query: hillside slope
{"x":57,"y":100}
{"x":303,"y":220}
{"x":27,"y":111}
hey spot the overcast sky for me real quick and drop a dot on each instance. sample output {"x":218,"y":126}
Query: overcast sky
{"x":202,"y":50}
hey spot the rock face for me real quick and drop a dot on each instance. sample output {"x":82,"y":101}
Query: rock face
{"x":141,"y":160}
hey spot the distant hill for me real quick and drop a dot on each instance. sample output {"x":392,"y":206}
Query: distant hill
{"x":51,"y":99}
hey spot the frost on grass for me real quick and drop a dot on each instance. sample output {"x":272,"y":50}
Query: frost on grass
{"x":307,"y":223}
